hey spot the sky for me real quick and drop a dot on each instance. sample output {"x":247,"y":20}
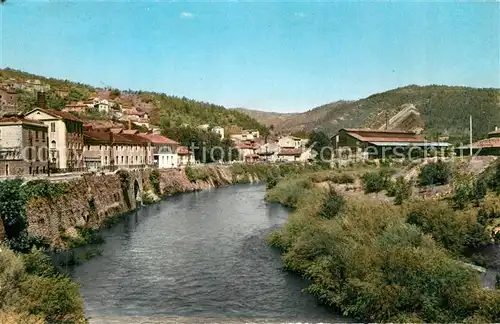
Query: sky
{"x":273,"y":56}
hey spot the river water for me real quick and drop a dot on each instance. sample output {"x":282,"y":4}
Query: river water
{"x":194,"y":258}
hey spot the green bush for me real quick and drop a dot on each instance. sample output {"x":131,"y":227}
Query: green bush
{"x":196,"y":173}
{"x":154,"y":179}
{"x":86,"y":236}
{"x":289,"y":192}
{"x":455,"y":230}
{"x":371,"y":265}
{"x":56,"y":298}
{"x":402,"y":190}
{"x":332,"y":205}
{"x":38,"y":263}
{"x":376,"y":181}
{"x":437,"y":173}
{"x":29,"y":286}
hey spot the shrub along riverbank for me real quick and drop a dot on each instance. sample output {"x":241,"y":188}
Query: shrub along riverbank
{"x":383,"y":262}
{"x":31,"y":289}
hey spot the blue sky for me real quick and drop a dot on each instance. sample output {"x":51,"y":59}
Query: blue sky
{"x":275,"y":56}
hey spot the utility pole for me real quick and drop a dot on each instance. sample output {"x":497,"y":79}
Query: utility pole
{"x":470,"y":136}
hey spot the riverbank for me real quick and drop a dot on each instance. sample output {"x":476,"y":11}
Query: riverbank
{"x":59,"y":215}
{"x":377,"y":261}
{"x":62,"y":215}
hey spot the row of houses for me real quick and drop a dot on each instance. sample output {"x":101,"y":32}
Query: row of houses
{"x":109,"y":107}
{"x":45,"y":139}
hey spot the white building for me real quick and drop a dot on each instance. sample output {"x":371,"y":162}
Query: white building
{"x":185,"y":156}
{"x":164,"y":150}
{"x":290,"y":142}
{"x":65,"y":137}
{"x":219,"y":130}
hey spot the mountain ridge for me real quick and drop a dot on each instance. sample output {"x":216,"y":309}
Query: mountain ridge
{"x":445,"y":110}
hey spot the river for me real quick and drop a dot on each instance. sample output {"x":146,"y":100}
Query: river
{"x":194,"y":258}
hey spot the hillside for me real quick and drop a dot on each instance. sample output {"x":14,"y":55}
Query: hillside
{"x":163,"y":109}
{"x":445,"y":110}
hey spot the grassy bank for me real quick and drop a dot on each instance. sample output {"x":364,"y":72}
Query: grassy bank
{"x":32,"y":291}
{"x":383,"y":262}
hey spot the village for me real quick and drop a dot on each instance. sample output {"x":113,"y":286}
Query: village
{"x":44,"y":140}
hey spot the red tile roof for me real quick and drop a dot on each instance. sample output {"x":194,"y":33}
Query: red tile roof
{"x":369,"y":135}
{"x":493,"y":142}
{"x":158,"y":139}
{"x":92,"y":137}
{"x":19,"y":120}
{"x":183,"y":150}
{"x":135,"y":139}
{"x":63,"y":115}
{"x":293,"y":151}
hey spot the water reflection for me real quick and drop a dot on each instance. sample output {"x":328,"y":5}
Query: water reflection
{"x":197,"y":254}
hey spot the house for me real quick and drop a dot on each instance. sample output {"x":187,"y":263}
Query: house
{"x":248,"y":151}
{"x":109,"y":148}
{"x":8,"y":98}
{"x":62,"y":92}
{"x":268,"y":152}
{"x":290,"y":142}
{"x":204,"y":127}
{"x":65,"y":135}
{"x":380,"y":143}
{"x":487,"y":146}
{"x":23,"y":146}
{"x":96,"y":104}
{"x":185,"y":156}
{"x":164,"y":150}
{"x":219,"y":130}
{"x":78,"y":107}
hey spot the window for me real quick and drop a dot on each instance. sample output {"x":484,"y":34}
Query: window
{"x":136,"y":159}
{"x":88,"y":147}
{"x":100,"y":147}
{"x":126,"y":160}
{"x":43,"y":137}
{"x":122,"y":159}
{"x":52,"y":127}
{"x":36,"y":135}
{"x":53,"y":144}
{"x":105,"y":160}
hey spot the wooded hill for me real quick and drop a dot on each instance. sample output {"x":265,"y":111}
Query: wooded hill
{"x":444,"y":109}
{"x":163,"y":109}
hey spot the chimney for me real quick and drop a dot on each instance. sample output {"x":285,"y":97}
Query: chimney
{"x":40,"y":100}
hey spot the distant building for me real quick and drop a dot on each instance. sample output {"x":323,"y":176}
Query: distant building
{"x":115,"y":147}
{"x":487,"y":146}
{"x":185,"y":156}
{"x":65,"y":135}
{"x":204,"y":127}
{"x":79,"y":108}
{"x":248,"y":151}
{"x":377,"y":143}
{"x":164,"y":150}
{"x":8,"y":99}
{"x":290,"y":142}
{"x":268,"y":152}
{"x":219,"y":130}
{"x":23,"y":146}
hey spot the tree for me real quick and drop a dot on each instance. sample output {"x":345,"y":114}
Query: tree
{"x":114,"y":93}
{"x":320,"y":143}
